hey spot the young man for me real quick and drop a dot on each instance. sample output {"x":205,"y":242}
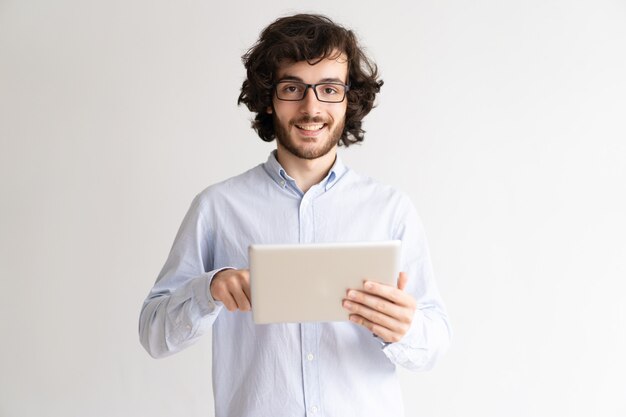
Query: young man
{"x":310,"y":86}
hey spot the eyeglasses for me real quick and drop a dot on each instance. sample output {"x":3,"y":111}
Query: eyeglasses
{"x":324,"y":92}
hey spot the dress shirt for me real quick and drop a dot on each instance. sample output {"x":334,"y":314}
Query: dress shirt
{"x":331,"y":369}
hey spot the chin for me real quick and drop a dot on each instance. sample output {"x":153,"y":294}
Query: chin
{"x":317,"y":150}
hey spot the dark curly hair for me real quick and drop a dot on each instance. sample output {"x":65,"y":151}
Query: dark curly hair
{"x":311,"y":38}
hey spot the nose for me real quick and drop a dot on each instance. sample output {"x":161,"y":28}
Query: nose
{"x":310,"y":104}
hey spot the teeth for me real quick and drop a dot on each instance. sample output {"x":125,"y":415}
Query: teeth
{"x":310,"y":127}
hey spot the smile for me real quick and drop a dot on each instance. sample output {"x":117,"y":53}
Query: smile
{"x":311,"y":127}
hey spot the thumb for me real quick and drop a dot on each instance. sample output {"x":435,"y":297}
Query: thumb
{"x":402,"y":280}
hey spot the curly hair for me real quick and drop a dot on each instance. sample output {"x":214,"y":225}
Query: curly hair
{"x":311,"y":38}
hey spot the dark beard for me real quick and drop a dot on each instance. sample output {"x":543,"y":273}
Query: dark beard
{"x":282,"y":136}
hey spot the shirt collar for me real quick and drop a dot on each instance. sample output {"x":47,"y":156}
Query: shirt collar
{"x":280,"y":176}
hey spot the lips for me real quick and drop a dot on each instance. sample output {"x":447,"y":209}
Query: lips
{"x":310,"y":127}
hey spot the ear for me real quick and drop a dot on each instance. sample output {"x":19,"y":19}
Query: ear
{"x":269,"y":110}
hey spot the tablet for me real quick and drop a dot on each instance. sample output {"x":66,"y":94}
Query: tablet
{"x":307,"y":282}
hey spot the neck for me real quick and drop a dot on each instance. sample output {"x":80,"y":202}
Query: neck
{"x":306,"y":172}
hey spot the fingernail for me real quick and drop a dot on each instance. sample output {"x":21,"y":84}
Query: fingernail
{"x":352,"y":294}
{"x":369,"y":285}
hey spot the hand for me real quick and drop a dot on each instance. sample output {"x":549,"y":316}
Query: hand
{"x":232,"y":288}
{"x":385,"y":310}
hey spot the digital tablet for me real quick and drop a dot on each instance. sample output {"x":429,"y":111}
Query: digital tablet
{"x":307,"y":282}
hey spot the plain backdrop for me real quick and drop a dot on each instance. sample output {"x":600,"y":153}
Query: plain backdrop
{"x":505,"y":121}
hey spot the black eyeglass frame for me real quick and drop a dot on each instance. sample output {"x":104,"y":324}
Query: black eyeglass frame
{"x":312,"y":87}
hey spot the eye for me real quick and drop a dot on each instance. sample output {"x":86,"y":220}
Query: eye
{"x":330,"y":89}
{"x":290,"y":88}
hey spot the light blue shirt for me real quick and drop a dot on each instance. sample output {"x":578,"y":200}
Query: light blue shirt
{"x":331,"y":369}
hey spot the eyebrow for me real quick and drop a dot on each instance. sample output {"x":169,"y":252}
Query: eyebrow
{"x":288,"y":77}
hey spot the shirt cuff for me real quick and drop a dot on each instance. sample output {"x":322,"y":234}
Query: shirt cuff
{"x":202,"y":292}
{"x":411,"y":349}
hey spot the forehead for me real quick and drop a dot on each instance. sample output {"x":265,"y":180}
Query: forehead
{"x":327,"y":68}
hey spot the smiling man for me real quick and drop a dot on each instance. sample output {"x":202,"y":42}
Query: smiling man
{"x":307,"y":127}
{"x":309,"y":85}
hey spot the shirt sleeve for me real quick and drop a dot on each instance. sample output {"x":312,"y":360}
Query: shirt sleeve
{"x":429,"y":335}
{"x":179,"y":308}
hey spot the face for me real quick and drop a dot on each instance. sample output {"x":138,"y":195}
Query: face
{"x":309,"y":128}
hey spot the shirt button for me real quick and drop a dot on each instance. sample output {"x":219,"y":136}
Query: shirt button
{"x":314,"y":409}
{"x":282,"y":183}
{"x":310,"y":357}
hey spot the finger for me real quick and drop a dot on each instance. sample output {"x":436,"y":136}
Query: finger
{"x":390,"y":293}
{"x":382,"y":332}
{"x":375,"y":317}
{"x":378,"y":304}
{"x":245,"y":286}
{"x":238,"y":293}
{"x":243,"y":303}
{"x":402,"y":280}
{"x":228,"y":301}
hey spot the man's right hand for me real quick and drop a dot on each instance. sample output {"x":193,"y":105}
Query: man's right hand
{"x":232,"y":288}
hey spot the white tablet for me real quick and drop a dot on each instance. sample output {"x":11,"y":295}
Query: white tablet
{"x":307,"y":282}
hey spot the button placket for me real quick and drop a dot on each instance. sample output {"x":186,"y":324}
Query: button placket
{"x":309,"y":332}
{"x":310,"y":367}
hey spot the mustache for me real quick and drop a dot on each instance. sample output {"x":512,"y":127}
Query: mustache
{"x":308,"y":119}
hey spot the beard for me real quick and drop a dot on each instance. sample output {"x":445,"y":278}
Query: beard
{"x":284,"y":138}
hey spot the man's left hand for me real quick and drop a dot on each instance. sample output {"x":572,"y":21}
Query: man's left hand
{"x":385,"y":310}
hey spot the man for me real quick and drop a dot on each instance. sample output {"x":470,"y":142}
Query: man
{"x":310,"y":86}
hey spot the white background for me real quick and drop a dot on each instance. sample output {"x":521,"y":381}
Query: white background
{"x":503,"y":120}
